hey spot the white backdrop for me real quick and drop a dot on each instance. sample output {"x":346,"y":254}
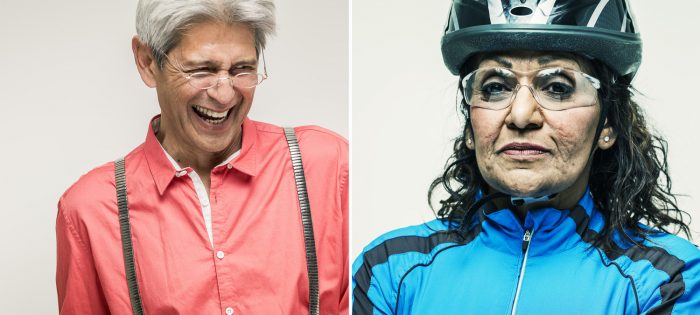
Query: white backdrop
{"x":71,"y":99}
{"x":404,"y":114}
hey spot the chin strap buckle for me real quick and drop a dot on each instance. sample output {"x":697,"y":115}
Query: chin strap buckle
{"x":520,"y":201}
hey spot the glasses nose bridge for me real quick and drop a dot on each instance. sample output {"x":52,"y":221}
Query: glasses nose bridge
{"x":516,"y":91}
{"x":223,"y":77}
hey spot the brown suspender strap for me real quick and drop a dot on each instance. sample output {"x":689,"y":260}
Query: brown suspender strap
{"x":309,"y":242}
{"x":311,"y":262}
{"x":125,"y":227}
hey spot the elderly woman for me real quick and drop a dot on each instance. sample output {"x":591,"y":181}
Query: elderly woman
{"x":555,"y":202}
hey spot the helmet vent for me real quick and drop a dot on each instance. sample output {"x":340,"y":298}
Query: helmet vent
{"x":521,"y":11}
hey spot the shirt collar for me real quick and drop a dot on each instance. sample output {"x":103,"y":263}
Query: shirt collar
{"x":178,"y":168}
{"x":247,"y":161}
{"x":163,"y":170}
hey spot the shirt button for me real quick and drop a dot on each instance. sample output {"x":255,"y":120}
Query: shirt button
{"x":181,"y":173}
{"x":229,"y":311}
{"x":220,"y":255}
{"x":229,"y":166}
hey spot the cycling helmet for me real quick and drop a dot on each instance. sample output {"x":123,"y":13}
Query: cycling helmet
{"x":604,"y":30}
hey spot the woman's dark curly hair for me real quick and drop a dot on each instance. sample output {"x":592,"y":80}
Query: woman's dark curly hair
{"x":629,"y":182}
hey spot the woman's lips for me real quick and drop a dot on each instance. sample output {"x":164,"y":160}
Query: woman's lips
{"x":523,"y":149}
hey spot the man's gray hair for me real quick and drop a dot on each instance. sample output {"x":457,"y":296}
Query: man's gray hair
{"x":160,"y":23}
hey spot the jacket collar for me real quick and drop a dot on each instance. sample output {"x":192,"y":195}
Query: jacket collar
{"x":163,"y":171}
{"x":553,"y":230}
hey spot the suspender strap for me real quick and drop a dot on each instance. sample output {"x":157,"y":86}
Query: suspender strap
{"x":125,"y":227}
{"x":311,"y":263}
{"x":309,"y":242}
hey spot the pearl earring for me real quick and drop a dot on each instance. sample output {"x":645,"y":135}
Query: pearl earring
{"x":606,"y":139}
{"x":469,"y":141}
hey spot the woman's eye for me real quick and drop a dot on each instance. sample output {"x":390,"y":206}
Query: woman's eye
{"x":559,"y":89}
{"x":494,"y":88}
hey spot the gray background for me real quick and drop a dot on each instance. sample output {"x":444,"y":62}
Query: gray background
{"x":71,"y":99}
{"x":404,"y":114}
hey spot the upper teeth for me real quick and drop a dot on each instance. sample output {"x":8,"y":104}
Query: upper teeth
{"x":211,"y":113}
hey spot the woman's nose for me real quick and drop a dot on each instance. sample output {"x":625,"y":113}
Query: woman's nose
{"x":524,"y":110}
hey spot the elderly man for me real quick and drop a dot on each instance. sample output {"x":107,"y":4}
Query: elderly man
{"x":210,"y":219}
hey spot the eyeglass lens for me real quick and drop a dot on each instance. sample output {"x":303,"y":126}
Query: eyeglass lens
{"x":553,"y":88}
{"x":204,"y":80}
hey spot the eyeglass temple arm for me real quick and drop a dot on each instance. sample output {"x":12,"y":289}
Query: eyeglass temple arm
{"x":262,"y":53}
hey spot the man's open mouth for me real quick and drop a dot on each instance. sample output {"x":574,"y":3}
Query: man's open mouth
{"x":211,"y":116}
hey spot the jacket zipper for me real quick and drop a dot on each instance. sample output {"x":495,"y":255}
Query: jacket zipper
{"x":526,"y":249}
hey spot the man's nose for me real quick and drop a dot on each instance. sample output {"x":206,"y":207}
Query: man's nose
{"x":524,"y":110}
{"x":223,"y":92}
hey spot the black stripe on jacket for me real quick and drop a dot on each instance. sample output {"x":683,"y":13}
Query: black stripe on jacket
{"x":659,"y":258}
{"x":380,"y":254}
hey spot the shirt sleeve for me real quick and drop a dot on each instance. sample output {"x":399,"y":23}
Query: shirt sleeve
{"x":77,"y":283}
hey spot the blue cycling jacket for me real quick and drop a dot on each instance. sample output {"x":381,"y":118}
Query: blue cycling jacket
{"x":545,"y":265}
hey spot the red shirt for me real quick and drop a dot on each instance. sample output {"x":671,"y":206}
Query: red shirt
{"x":257,"y":263}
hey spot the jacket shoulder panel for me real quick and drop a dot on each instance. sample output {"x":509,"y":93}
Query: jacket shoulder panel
{"x":666,"y":273}
{"x":378,"y":270}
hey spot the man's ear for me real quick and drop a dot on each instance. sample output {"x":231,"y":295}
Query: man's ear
{"x":607,"y":137}
{"x":145,"y":63}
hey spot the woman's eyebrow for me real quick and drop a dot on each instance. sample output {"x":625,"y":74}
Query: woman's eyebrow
{"x":500,"y":60}
{"x":545,"y":59}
